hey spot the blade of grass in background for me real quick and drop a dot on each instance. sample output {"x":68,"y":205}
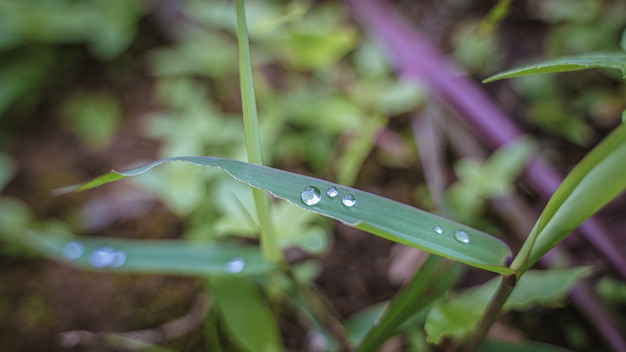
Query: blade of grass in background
{"x":434,"y":278}
{"x":246,"y":314}
{"x":371,"y":213}
{"x":140,"y":256}
{"x":269,"y":240}
{"x":565,"y":64}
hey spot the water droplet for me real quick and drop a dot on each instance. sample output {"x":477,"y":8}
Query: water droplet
{"x":119,"y":258}
{"x":73,"y":250}
{"x":332,"y":192}
{"x":438,"y":230}
{"x":102,"y":257}
{"x":461,"y":236}
{"x":348,"y":200}
{"x":236,"y":265}
{"x":311,"y":195}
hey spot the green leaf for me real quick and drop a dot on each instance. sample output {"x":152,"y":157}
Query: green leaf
{"x":434,"y":278}
{"x":269,"y":242}
{"x":595,"y":181}
{"x":374,"y":214}
{"x":458,"y":317}
{"x":544,"y":287}
{"x":163,"y":256}
{"x":565,"y":64}
{"x":453,"y":318}
{"x":246,"y":313}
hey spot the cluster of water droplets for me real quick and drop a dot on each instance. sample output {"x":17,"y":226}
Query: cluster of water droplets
{"x":101,"y":257}
{"x":312,"y":195}
{"x":459,"y":235}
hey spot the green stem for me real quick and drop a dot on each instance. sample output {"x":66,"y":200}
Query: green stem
{"x":491,"y":313}
{"x":269,"y":241}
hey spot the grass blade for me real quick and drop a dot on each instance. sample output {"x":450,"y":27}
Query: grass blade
{"x":269,"y":241}
{"x":596,"y":180}
{"x":565,"y":64}
{"x":434,"y":278}
{"x":246,"y":314}
{"x":163,"y":256}
{"x":374,"y":214}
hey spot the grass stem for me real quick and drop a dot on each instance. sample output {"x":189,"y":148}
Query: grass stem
{"x":491,"y":314}
{"x":269,"y":241}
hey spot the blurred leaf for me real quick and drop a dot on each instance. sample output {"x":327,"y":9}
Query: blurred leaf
{"x":246,"y":313}
{"x":315,"y":50}
{"x":434,"y":278}
{"x":157,"y":256}
{"x":293,"y":226}
{"x":554,"y":11}
{"x":106,"y":26}
{"x":495,"y":16}
{"x":93,"y":116}
{"x":596,"y":180}
{"x":374,"y":214}
{"x":565,"y":64}
{"x":612,"y":290}
{"x":490,"y":179}
{"x":476,"y":51}
{"x":359,"y":323}
{"x":7,"y":170}
{"x":22,"y":76}
{"x":357,"y":149}
{"x":317,"y":40}
{"x":528,"y":346}
{"x":457,"y":317}
{"x":214,"y":58}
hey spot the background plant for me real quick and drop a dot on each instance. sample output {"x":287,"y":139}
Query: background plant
{"x":315,"y":129}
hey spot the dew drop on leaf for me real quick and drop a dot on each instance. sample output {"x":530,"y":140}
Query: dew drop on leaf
{"x":348,"y":200}
{"x":461,"y":236}
{"x":236,"y":265}
{"x":107,"y":257}
{"x":311,"y":195}
{"x":438,"y":230}
{"x":332,"y":192}
{"x":73,"y":250}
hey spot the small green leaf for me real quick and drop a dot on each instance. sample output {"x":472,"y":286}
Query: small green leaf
{"x":163,"y":256}
{"x":458,"y":317}
{"x":596,"y":180}
{"x":565,"y":64}
{"x":246,"y":313}
{"x":371,"y":213}
{"x":453,"y":318}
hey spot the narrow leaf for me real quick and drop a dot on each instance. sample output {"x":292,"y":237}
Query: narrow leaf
{"x":140,"y":256}
{"x":595,"y":181}
{"x":565,"y":64}
{"x":434,"y":278}
{"x":246,"y":314}
{"x":371,"y":213}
